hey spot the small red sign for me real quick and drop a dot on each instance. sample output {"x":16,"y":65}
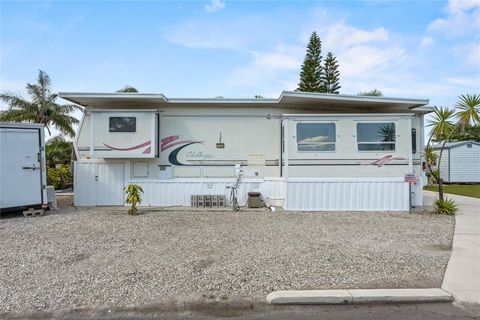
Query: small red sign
{"x":410,"y":178}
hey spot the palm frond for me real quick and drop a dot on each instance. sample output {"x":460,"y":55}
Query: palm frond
{"x":468,"y":110}
{"x":441,"y":123}
{"x":42,"y":108}
{"x":15,"y":115}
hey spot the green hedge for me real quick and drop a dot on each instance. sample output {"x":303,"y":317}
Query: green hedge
{"x":60,"y":177}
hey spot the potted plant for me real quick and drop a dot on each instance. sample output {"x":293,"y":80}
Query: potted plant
{"x":133,"y":198}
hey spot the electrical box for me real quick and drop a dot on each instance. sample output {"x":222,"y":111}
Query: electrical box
{"x":165,"y":172}
{"x":140,"y":169}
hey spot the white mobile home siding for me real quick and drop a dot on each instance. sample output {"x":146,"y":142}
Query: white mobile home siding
{"x":282,"y":146}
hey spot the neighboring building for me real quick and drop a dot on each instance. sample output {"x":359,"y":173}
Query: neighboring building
{"x":460,"y":161}
{"x":303,"y":151}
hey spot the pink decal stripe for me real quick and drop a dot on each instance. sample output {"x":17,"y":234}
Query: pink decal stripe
{"x":147,"y":143}
{"x":380,"y":162}
{"x":171,"y":141}
{"x":168,"y":146}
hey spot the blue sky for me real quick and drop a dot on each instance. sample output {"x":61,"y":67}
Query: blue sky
{"x":428,"y":49}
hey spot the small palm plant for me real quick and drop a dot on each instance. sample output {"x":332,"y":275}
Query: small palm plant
{"x":445,"y":206}
{"x":133,"y":192}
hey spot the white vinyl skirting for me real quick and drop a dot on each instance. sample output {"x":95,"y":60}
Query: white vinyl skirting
{"x":104,"y":186}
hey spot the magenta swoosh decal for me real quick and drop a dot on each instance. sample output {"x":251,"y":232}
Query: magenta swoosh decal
{"x":380,"y":162}
{"x":169,"y":139}
{"x":147,"y":143}
{"x":168,"y":146}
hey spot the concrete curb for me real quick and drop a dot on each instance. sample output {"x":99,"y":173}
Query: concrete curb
{"x":359,"y":296}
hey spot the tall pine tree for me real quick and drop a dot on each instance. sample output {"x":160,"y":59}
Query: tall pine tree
{"x":331,"y":75}
{"x":310,"y":75}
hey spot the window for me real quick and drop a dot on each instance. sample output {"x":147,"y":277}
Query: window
{"x":122,"y":124}
{"x":313,"y":137}
{"x":376,"y":136}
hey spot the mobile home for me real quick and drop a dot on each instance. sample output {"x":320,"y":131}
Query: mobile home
{"x":302,"y":151}
{"x":23,"y":183}
{"x":460,"y":162}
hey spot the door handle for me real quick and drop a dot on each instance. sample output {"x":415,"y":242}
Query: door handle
{"x":31,"y":168}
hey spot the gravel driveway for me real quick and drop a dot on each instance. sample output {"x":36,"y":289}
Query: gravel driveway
{"x":101,"y":257}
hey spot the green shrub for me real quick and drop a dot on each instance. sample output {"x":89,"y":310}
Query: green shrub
{"x":446,"y":206}
{"x":133,"y":197}
{"x":59,"y":177}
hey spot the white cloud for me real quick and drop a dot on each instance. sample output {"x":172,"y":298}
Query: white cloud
{"x":469,"y":82}
{"x":269,"y":67}
{"x":364,"y":56}
{"x":473,"y":54}
{"x":214,"y":5}
{"x":360,"y":52}
{"x":426,"y":42}
{"x":342,"y":35}
{"x":237,"y":34}
{"x":463,"y":17}
{"x":468,"y":53}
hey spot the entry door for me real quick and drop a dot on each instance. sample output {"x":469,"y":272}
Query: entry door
{"x":21,"y":173}
{"x":109,"y":180}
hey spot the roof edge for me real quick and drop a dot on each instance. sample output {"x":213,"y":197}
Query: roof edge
{"x":414,"y":101}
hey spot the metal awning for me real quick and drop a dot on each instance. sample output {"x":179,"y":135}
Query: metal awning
{"x":288,"y":99}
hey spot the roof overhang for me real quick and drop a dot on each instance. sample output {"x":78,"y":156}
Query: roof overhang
{"x":288,"y":99}
{"x":114,"y":100}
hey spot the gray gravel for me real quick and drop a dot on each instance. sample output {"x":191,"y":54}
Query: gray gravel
{"x":101,"y":257}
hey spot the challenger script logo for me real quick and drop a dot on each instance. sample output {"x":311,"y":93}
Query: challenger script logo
{"x":171,"y":141}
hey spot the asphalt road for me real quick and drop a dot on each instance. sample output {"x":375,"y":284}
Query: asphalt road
{"x":241,"y":311}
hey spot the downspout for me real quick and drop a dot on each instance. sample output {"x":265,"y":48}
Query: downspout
{"x":286,"y":156}
{"x":92,"y":134}
{"x":286,"y":138}
{"x":410,"y":161}
{"x":281,"y":148}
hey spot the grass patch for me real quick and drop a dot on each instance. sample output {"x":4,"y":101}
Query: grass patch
{"x":469,"y":190}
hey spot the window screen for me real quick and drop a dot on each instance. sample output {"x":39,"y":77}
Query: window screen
{"x":376,"y":136}
{"x":122,"y":124}
{"x":315,"y":137}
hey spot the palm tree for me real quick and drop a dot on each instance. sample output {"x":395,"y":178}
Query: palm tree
{"x":42,"y":107}
{"x":442,"y":128}
{"x":441,"y":124}
{"x":128,"y":89}
{"x":58,"y":151}
{"x":468,"y":110}
{"x":468,"y":113}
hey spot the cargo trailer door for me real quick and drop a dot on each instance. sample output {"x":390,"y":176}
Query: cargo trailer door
{"x":20,"y":168}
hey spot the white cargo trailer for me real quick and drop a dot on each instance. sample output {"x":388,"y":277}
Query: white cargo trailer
{"x":22,"y":167}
